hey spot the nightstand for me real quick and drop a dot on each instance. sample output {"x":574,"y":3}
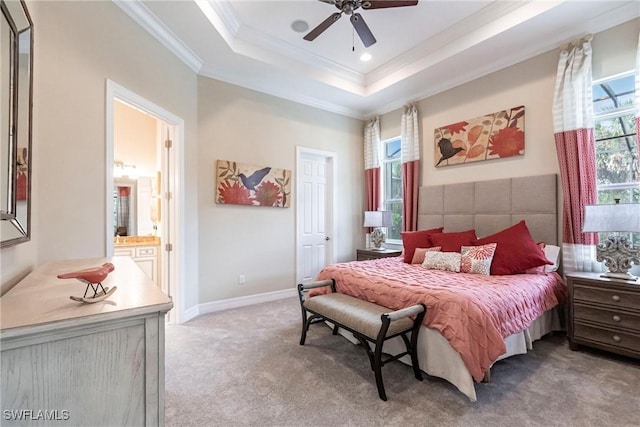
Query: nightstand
{"x":365,"y":254}
{"x":604,"y":313}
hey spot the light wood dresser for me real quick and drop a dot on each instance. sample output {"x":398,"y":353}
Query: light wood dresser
{"x":604,"y":314}
{"x":68,"y":363}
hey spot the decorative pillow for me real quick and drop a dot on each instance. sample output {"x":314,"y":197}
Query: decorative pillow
{"x":552,"y":253}
{"x":418,"y":255}
{"x":447,"y":261}
{"x":516,"y":251}
{"x":477,"y":259}
{"x":452,"y":242}
{"x":416,"y":239}
{"x":540,"y":269}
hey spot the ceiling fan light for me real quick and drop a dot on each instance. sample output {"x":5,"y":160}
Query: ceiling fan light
{"x":299,"y":26}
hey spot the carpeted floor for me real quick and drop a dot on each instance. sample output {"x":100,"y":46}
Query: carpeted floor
{"x":244,"y":367}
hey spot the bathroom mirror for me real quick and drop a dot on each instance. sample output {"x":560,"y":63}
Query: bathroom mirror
{"x":16,"y":100}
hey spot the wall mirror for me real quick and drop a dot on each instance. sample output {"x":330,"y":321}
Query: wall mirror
{"x":16,"y":100}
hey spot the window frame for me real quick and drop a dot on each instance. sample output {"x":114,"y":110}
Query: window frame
{"x":384,"y":161}
{"x":611,"y":115}
{"x":618,"y":112}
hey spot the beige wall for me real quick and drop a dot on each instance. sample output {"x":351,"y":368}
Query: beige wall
{"x":78,"y":45}
{"x":81,"y":44}
{"x":259,"y":242}
{"x":529,"y":83}
{"x":134,"y":139}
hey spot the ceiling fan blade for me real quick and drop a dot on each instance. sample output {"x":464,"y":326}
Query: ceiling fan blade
{"x":379,"y":4}
{"x":323,"y":26}
{"x":363,"y":30}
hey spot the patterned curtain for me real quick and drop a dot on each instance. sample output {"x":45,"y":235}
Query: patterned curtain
{"x":372,"y":164}
{"x":575,"y":144}
{"x":410,"y":157}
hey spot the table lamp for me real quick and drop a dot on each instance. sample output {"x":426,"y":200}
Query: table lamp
{"x":617,"y":251}
{"x":377,"y":220}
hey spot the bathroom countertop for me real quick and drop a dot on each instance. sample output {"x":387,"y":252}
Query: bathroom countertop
{"x":129,"y":241}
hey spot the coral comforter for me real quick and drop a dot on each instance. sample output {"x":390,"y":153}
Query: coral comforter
{"x":473,"y":312}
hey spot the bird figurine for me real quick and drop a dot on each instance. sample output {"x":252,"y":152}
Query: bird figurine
{"x":447,"y":150}
{"x":93,"y":277}
{"x":252,"y":181}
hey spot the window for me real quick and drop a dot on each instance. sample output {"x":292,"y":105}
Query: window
{"x":392,"y":186}
{"x":617,"y":163}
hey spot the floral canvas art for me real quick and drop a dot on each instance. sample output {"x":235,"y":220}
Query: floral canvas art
{"x":487,"y":137}
{"x":241,"y":184}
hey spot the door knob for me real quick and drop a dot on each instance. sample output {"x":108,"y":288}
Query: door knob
{"x":327,"y":238}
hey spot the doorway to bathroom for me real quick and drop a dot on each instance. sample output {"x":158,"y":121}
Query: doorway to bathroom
{"x":143,"y":193}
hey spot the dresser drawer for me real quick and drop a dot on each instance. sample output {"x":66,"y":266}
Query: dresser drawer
{"x":616,"y":319}
{"x":125,"y":252}
{"x":602,"y":295}
{"x":146,"y":251}
{"x":607,"y":337}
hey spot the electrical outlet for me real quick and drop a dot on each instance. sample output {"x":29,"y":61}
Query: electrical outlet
{"x":241,"y":279}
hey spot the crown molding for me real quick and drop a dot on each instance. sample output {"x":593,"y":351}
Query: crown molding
{"x":277,"y":92}
{"x":249,"y":42}
{"x":490,"y":22}
{"x":147,"y":20}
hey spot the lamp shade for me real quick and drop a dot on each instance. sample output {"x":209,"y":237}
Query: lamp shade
{"x":612,"y":218}
{"x":377,"y":219}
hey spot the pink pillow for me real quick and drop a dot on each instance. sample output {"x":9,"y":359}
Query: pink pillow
{"x":418,"y":255}
{"x":416,"y":239}
{"x":453,"y":242}
{"x":516,"y":251}
{"x":477,"y":259}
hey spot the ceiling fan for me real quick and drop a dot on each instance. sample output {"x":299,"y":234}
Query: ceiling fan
{"x":348,"y":7}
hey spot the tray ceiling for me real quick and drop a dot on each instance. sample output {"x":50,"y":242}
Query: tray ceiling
{"x":420,"y":51}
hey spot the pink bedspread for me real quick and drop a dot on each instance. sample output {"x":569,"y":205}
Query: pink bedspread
{"x":473,"y":312}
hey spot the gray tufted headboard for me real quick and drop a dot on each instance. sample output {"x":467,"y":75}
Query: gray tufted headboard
{"x":490,"y":206}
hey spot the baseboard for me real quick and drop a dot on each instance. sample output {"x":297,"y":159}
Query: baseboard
{"x":226,"y":304}
{"x":190,"y":313}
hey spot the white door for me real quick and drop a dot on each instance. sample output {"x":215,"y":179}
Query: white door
{"x":316,"y":237}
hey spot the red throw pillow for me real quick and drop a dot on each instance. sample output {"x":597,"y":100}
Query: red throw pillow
{"x":540,"y":269}
{"x":453,"y":242}
{"x":516,"y":251}
{"x":416,"y":239}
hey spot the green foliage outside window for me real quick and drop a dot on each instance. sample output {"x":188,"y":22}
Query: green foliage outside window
{"x":617,"y":164}
{"x":617,"y":157}
{"x":392,"y":186}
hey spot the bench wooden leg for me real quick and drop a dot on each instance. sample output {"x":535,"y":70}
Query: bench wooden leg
{"x":306,"y":323}
{"x":412,"y":349}
{"x":377,"y":369}
{"x":365,"y":345}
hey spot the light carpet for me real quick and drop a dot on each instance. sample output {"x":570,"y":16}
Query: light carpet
{"x":245,"y":367}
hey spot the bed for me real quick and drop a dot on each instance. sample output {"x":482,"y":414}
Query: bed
{"x":472,"y":320}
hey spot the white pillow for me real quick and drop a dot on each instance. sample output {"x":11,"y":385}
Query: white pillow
{"x":553,"y":254}
{"x":447,"y":261}
{"x":477,"y":259}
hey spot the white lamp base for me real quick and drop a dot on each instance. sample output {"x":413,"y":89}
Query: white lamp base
{"x":619,"y":276}
{"x":618,"y":255}
{"x":377,"y":238}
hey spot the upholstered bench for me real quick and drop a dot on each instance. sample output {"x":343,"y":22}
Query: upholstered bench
{"x":368,"y":322}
